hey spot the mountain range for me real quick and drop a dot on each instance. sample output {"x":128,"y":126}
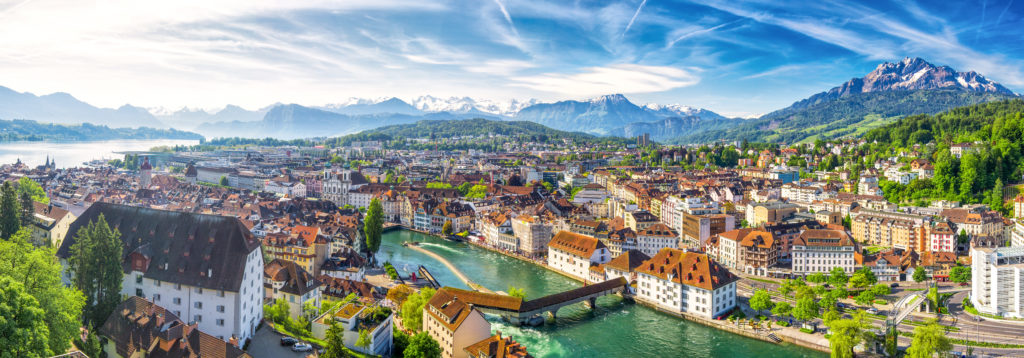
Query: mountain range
{"x":892,"y":90}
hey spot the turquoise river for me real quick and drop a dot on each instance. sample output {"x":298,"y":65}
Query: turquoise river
{"x":614,"y":329}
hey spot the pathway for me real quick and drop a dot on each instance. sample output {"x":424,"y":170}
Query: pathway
{"x":451,"y":267}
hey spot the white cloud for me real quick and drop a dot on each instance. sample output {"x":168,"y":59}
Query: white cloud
{"x":621,"y":78}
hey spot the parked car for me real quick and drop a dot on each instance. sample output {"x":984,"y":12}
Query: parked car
{"x":894,"y":285}
{"x":963,"y":284}
{"x":288,"y":341}
{"x":302,"y":347}
{"x":872,"y":310}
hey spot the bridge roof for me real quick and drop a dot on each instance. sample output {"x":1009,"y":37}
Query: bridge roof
{"x":486,"y":300}
{"x":569,"y":295}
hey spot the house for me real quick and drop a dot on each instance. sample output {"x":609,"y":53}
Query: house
{"x":355,"y":317}
{"x":302,"y":245}
{"x":942,"y":238}
{"x":50,"y":224}
{"x":286,"y":280}
{"x":573,"y":254}
{"x":497,"y":347}
{"x":207,"y":268}
{"x":625,"y":265}
{"x":687,"y":283}
{"x":656,"y":237}
{"x":454,"y":324}
{"x":140,"y":328}
{"x":758,"y":251}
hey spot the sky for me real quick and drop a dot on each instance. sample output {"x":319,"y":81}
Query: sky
{"x":738,"y":58}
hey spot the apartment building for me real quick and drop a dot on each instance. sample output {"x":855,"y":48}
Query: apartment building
{"x":996,"y":281}
{"x":573,"y":254}
{"x":656,"y":237}
{"x":698,"y":228}
{"x":454,"y":324}
{"x":532,"y":233}
{"x":891,"y":229}
{"x":819,"y":250}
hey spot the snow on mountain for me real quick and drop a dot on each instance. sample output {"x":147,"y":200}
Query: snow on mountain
{"x":466,"y":104}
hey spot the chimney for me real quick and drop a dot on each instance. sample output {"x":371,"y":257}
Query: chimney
{"x":233,"y":341}
{"x":159,"y":319}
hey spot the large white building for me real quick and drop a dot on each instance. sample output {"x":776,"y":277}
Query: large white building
{"x":686,"y":282}
{"x":336,"y":185}
{"x":656,"y":237}
{"x":997,"y":280}
{"x":206,"y":269}
{"x":573,"y":254}
{"x":822,"y":250}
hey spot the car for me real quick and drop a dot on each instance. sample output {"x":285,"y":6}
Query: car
{"x":302,"y":347}
{"x":894,"y":285}
{"x":963,"y":284}
{"x":872,"y":310}
{"x":288,"y":341}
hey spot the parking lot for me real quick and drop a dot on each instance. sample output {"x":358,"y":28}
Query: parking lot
{"x":267,"y":344}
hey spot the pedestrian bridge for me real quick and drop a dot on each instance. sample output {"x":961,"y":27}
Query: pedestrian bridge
{"x":518,"y":311}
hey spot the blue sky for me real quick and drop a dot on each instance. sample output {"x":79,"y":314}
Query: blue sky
{"x":733,"y":57}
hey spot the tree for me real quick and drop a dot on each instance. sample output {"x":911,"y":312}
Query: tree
{"x":517,"y":292}
{"x":35,"y":191}
{"x":846,"y":334}
{"x":373,"y":226}
{"x":224,"y":181}
{"x":39,"y":271}
{"x":22,"y":331}
{"x":399,"y":342}
{"x":816,"y":278}
{"x":881,"y":289}
{"x":960,"y":274}
{"x":95,"y":264}
{"x":863,"y":278}
{"x":782,"y":309}
{"x":805,"y":310}
{"x":837,"y":277}
{"x":929,"y":340}
{"x":412,"y":309}
{"x":364,"y":340}
{"x":92,"y":346}
{"x":10,"y":211}
{"x":920,"y":275}
{"x":335,"y":339}
{"x":446,"y":229}
{"x":761,"y":300}
{"x":27,"y":209}
{"x":399,"y":294}
{"x":422,"y":346}
{"x":865,"y":298}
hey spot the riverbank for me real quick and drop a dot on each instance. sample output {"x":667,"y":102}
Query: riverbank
{"x":451,"y":267}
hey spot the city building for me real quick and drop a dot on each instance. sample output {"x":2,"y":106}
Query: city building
{"x":687,"y":283}
{"x":354,"y":317}
{"x":656,"y":237}
{"x":50,"y":224}
{"x":533,"y":235}
{"x":207,"y":268}
{"x":139,"y":328}
{"x":819,"y":250}
{"x":573,"y":253}
{"x":287,"y":281}
{"x":996,"y":281}
{"x":497,"y":347}
{"x":698,"y":228}
{"x":454,"y":324}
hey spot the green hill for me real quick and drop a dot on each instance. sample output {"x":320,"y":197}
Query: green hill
{"x":476,"y":130}
{"x":20,"y":129}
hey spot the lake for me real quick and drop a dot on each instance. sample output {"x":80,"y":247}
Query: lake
{"x":73,"y":154}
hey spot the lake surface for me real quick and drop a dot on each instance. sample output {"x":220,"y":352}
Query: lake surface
{"x":73,"y":154}
{"x":614,"y":329}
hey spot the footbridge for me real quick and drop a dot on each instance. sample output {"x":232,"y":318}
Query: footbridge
{"x":518,"y":311}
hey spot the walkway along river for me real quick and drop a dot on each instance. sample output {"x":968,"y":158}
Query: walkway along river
{"x":612,"y":329}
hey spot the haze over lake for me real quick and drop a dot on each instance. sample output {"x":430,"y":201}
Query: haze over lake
{"x":72,"y":154}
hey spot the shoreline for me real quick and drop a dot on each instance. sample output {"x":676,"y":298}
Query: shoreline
{"x":737,"y":331}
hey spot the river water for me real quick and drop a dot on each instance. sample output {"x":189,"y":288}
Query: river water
{"x":73,"y":154}
{"x":614,"y":329}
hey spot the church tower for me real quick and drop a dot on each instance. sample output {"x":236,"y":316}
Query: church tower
{"x":145,"y":174}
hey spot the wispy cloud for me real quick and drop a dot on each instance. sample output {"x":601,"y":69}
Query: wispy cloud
{"x":680,"y":35}
{"x":621,"y":78}
{"x":635,"y":15}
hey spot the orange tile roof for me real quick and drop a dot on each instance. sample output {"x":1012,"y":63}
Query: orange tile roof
{"x":688,"y":268}
{"x":575,"y":244}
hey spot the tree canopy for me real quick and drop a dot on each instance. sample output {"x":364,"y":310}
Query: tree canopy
{"x":95,"y":264}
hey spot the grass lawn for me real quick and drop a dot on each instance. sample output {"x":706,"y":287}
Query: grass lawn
{"x":764,"y":280}
{"x":873,"y":249}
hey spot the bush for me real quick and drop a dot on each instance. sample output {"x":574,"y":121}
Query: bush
{"x":806,"y":330}
{"x":782,"y":323}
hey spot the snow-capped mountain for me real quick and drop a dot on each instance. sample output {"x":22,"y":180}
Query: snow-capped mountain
{"x":466,"y":105}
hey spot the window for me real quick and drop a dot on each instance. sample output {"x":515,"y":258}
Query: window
{"x":156,"y":283}
{"x":176,"y":300}
{"x":220,"y":322}
{"x":198,"y":318}
{"x":177,"y":286}
{"x":220,"y":293}
{"x":156,"y":297}
{"x":138,"y":279}
{"x":198,"y":305}
{"x":220,"y":308}
{"x":138,"y":292}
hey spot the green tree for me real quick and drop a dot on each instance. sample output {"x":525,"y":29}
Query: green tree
{"x":846,"y":334}
{"x":816,"y":278}
{"x":920,"y":275}
{"x":863,"y":278}
{"x":422,"y":346}
{"x":865,"y":298}
{"x":929,"y":340}
{"x":880,"y":289}
{"x":95,"y":264}
{"x":224,"y":181}
{"x":837,"y":277}
{"x":28,"y":186}
{"x":22,"y":331}
{"x":399,"y":342}
{"x":761,"y":301}
{"x":92,"y":346}
{"x":960,"y":274}
{"x":364,"y":340}
{"x":782,"y":309}
{"x":373,"y":226}
{"x":27,"y":210}
{"x":10,"y":211}
{"x":517,"y":292}
{"x":806,"y":309}
{"x":277,"y":312}
{"x":412,"y":309}
{"x":335,"y":343}
{"x":39,"y":271}
{"x":446,"y":229}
